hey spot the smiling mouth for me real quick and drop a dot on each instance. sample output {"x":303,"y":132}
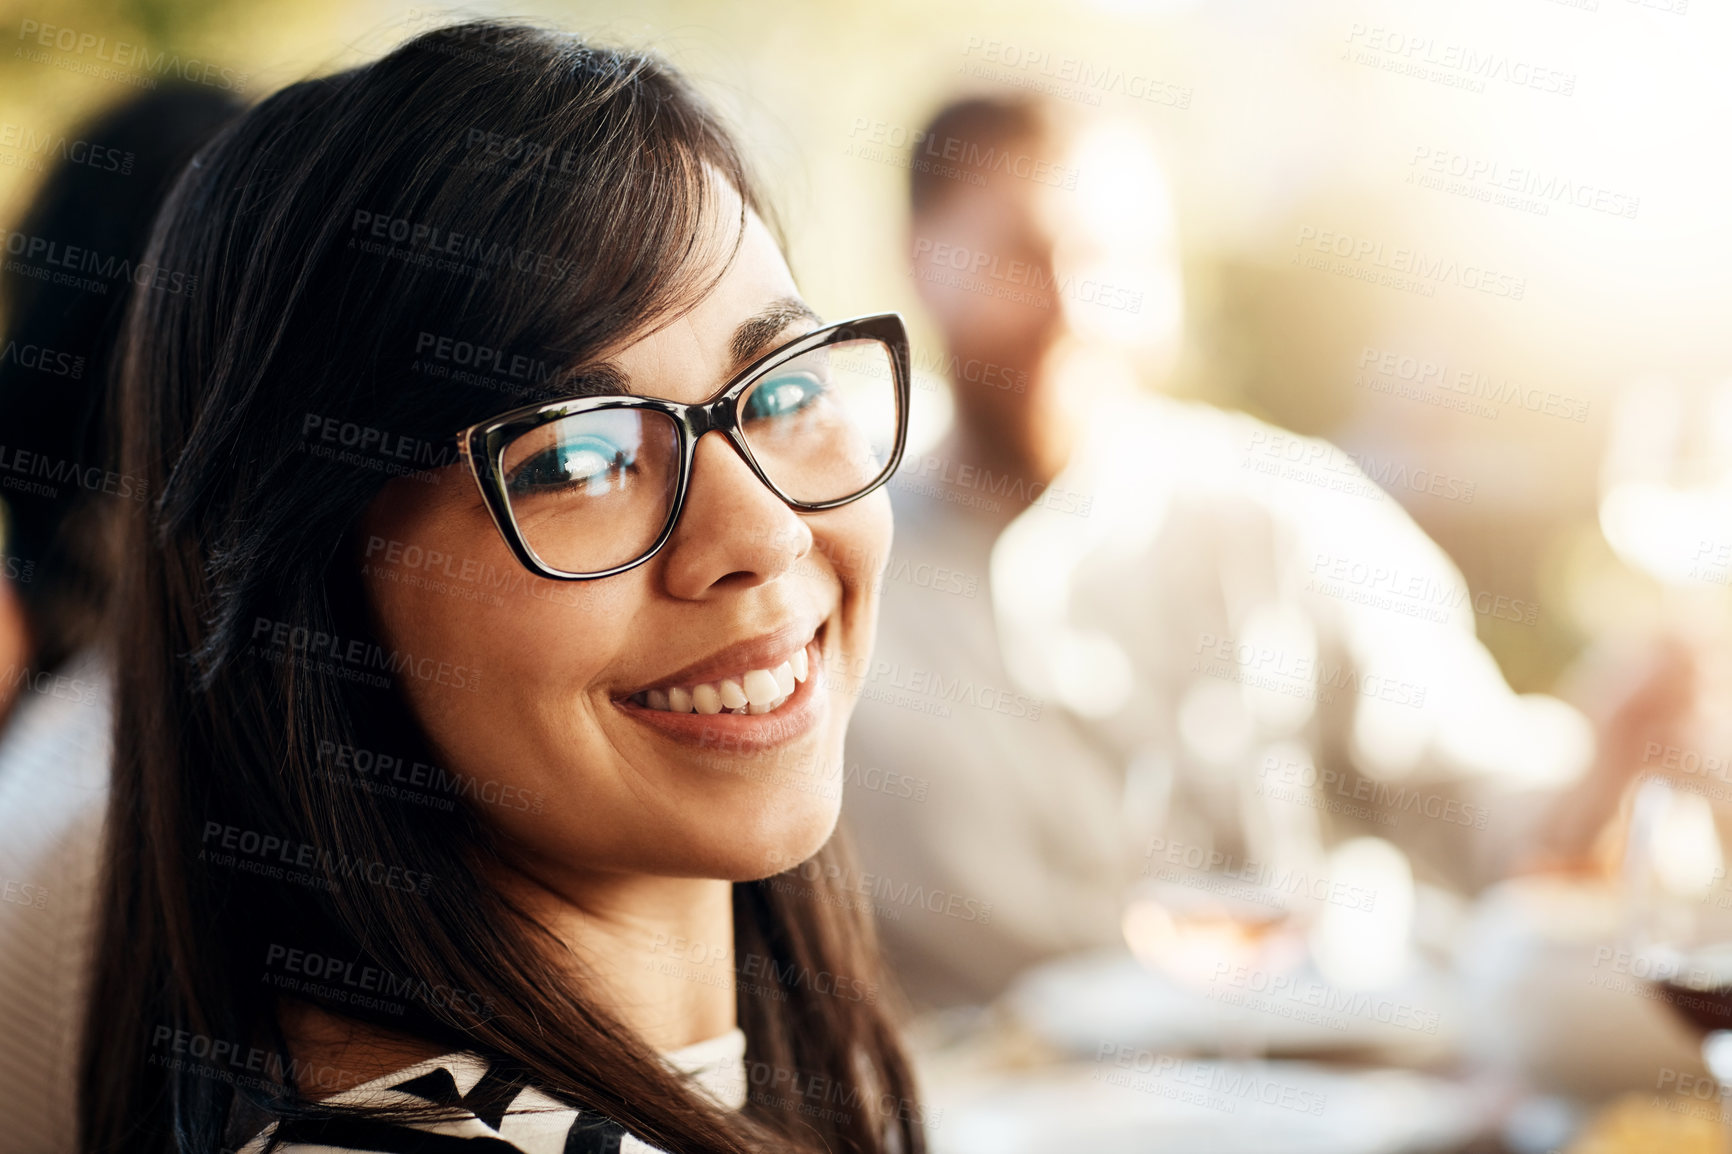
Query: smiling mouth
{"x":753,"y":691}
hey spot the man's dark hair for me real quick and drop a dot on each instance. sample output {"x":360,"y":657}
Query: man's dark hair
{"x":970,"y":137}
{"x":93,"y":212}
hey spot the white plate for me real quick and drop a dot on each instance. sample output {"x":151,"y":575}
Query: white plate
{"x":1077,"y":1004}
{"x":1202,"y":1106}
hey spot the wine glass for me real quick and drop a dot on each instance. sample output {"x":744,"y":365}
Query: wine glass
{"x":1679,"y":908}
{"x":1198,"y":907}
{"x":1666,"y":512}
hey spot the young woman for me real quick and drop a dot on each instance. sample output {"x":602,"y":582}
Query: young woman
{"x":480,"y":713}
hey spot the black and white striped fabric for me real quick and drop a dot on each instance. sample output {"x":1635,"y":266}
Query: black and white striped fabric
{"x":498,"y":1115}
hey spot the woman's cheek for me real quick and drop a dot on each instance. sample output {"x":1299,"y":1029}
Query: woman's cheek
{"x":865,"y":538}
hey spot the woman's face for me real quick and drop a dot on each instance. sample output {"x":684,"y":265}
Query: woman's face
{"x":566,"y":759}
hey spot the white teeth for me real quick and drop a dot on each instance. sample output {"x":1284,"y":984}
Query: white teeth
{"x":761,"y":688}
{"x":757,"y":691}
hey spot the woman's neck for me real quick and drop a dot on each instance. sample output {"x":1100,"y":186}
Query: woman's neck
{"x":660,"y":949}
{"x":657,"y":953}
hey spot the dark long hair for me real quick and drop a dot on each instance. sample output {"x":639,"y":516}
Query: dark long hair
{"x":496,"y":187}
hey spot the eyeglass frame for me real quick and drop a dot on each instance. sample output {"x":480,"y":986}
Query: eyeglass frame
{"x":483,"y":445}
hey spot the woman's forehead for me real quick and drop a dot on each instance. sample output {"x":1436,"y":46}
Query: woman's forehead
{"x":699,"y":347}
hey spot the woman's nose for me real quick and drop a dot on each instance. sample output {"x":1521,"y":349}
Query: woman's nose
{"x":733,"y":532}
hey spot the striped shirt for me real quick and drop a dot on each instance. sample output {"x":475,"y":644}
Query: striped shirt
{"x":530,"y":1122}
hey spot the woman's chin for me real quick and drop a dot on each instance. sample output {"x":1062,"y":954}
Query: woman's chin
{"x":778,"y":842}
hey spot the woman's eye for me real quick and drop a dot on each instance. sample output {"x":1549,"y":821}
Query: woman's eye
{"x":589,"y":464}
{"x":782,"y":396}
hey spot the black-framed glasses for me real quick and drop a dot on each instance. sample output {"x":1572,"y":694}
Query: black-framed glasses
{"x":588,"y":487}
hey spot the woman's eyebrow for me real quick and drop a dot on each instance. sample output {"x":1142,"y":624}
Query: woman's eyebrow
{"x":755,"y":334}
{"x":754,"y":337}
{"x":598,"y":380}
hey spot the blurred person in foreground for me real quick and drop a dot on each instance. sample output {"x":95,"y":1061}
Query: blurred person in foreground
{"x":60,"y":496}
{"x":1167,"y":637}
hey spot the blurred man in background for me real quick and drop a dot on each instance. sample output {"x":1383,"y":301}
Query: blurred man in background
{"x":1171,"y":640}
{"x":62,"y":499}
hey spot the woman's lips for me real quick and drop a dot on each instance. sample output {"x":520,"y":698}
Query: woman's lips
{"x":744,"y":732}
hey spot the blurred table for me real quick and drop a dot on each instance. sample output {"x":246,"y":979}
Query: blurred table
{"x":1094,"y":1054}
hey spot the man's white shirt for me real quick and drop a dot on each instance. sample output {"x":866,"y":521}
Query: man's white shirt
{"x":1230,"y":611}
